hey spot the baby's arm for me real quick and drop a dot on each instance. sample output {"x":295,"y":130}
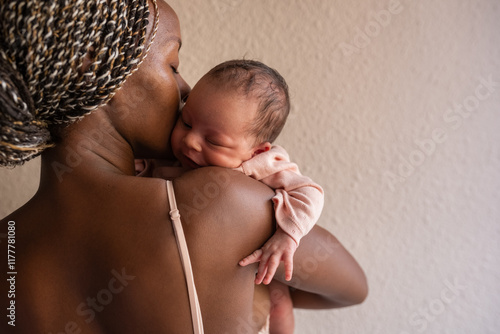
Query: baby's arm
{"x":298,"y":203}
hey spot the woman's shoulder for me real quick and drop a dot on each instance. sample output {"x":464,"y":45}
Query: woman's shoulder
{"x":221,"y":191}
{"x":212,"y":201}
{"x":226,"y":208}
{"x":214,"y":182}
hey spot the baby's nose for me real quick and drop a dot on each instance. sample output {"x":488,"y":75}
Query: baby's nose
{"x":192,"y":142}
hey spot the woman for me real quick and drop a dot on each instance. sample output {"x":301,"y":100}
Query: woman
{"x":95,"y":250}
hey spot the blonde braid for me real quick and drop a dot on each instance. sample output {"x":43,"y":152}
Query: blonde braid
{"x":43,"y":81}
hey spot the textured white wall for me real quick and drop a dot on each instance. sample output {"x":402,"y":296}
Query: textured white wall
{"x":396,"y":113}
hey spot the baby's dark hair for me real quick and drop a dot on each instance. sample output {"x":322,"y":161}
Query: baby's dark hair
{"x":259,"y":81}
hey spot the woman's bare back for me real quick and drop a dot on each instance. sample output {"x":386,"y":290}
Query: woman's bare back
{"x":116,"y":268}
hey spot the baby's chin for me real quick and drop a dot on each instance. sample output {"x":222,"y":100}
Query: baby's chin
{"x":187,"y":163}
{"x":190,"y":165}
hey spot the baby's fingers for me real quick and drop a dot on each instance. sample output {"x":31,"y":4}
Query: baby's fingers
{"x":261,"y":273}
{"x":263,"y":267}
{"x":288,"y":266}
{"x":272,"y":265}
{"x":252,"y":258}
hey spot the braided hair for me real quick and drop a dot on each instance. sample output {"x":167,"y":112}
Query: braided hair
{"x":59,"y":60}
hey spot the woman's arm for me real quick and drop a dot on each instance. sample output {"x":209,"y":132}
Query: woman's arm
{"x":226,"y":215}
{"x":325,"y":274}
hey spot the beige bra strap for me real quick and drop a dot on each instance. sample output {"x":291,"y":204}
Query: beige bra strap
{"x":186,"y":261}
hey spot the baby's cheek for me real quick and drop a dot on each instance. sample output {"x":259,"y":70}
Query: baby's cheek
{"x":231,"y":162}
{"x":214,"y":159}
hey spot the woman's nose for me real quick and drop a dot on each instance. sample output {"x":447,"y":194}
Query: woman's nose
{"x":192,"y":142}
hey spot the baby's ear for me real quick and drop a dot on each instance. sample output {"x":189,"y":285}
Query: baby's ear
{"x":261,"y":148}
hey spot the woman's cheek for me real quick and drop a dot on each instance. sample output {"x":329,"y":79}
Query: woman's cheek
{"x":175,"y":139}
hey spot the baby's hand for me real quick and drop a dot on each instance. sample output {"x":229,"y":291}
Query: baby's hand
{"x":280,"y":247}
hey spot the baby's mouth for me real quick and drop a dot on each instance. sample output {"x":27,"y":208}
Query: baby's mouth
{"x":188,"y":162}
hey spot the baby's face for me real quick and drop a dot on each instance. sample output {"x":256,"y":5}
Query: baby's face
{"x":212,"y":129}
